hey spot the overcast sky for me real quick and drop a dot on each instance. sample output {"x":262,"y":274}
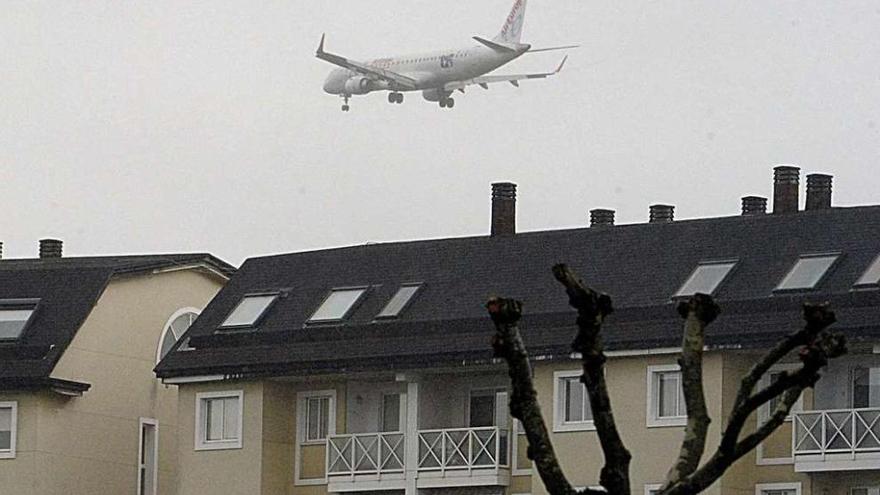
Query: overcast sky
{"x":131,"y":127}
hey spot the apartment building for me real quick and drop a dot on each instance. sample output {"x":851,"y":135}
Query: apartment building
{"x":81,"y":411}
{"x":368,"y":369}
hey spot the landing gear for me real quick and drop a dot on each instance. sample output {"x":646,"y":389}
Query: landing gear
{"x":447,"y":102}
{"x":395,"y":97}
{"x":345,"y":106}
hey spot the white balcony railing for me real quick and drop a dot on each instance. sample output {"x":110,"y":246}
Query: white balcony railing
{"x":463,"y":449}
{"x":834,"y":432}
{"x":370,"y":453}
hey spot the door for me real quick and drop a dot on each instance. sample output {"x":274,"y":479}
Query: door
{"x":489,"y":408}
{"x":148,"y":452}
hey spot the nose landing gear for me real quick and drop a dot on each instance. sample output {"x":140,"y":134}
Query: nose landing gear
{"x":447,"y":102}
{"x":395,"y":97}
{"x":345,"y":106}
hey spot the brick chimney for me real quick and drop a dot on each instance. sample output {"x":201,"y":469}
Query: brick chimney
{"x":786,"y":183}
{"x":754,"y":205}
{"x":601,"y":218}
{"x":819,"y":191}
{"x":662,"y":214}
{"x":50,"y":248}
{"x":503,"y":208}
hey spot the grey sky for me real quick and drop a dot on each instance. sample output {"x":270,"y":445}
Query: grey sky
{"x":201,"y":126}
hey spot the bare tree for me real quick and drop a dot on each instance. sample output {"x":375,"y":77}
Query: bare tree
{"x":687,"y":475}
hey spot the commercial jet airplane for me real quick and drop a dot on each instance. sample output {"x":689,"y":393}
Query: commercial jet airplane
{"x":437,"y":75}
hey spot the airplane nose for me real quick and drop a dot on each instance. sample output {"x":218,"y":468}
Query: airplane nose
{"x":333,"y":83}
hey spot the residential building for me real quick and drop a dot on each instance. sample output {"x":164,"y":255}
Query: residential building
{"x":369,"y":368}
{"x":81,"y":411}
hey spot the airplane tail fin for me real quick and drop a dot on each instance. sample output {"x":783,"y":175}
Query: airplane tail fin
{"x":511,"y":32}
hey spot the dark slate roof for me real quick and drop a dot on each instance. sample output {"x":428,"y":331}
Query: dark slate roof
{"x":641,"y":266}
{"x":67,"y":290}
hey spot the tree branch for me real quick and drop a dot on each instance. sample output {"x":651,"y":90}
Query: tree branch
{"x":698,"y":312}
{"x":592,"y":309}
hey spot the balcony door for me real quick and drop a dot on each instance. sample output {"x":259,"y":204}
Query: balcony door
{"x":866,"y":388}
{"x":488,"y":408}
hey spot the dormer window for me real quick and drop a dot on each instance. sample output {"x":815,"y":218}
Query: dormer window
{"x":338,"y":304}
{"x":249,"y":310}
{"x":706,"y":278}
{"x":871,"y":278}
{"x":14,"y":317}
{"x":401,"y":300}
{"x":807,"y":272}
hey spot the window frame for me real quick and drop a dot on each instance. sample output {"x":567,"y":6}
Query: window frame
{"x":32,"y":304}
{"x":201,"y":433}
{"x":311,"y":321}
{"x":734,"y":263}
{"x":419,"y":287}
{"x":761,"y":488}
{"x":259,"y":319}
{"x":654,"y":420}
{"x":559,"y":423}
{"x":868,"y":285}
{"x":852,"y":385}
{"x":401,"y":412}
{"x":10,"y":453}
{"x":302,"y":399}
{"x":177,"y":314}
{"x":764,"y":410}
{"x":783,"y":290}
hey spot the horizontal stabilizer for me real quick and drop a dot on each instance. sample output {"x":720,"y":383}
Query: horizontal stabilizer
{"x":498,"y":47}
{"x":553,"y":48}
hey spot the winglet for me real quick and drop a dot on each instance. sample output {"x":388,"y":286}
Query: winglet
{"x":561,"y":65}
{"x":321,"y":45}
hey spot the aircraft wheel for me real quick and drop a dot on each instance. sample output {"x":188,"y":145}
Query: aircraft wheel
{"x":345,"y":108}
{"x":399,"y":97}
{"x":392,"y":98}
{"x":450,"y":103}
{"x":443,"y":103}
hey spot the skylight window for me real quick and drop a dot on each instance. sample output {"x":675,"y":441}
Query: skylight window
{"x":400,"y":300}
{"x":807,"y":272}
{"x":14,"y":318}
{"x":706,"y":278}
{"x":872,"y":276}
{"x":338,"y":304}
{"x":249,"y":310}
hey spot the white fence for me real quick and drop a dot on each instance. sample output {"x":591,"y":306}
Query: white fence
{"x":370,"y":453}
{"x":838,"y":431}
{"x":463,"y":449}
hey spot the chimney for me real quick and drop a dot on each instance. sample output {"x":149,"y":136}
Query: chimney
{"x":50,"y":248}
{"x":786,"y":180}
{"x":503,"y":208}
{"x":754,"y":205}
{"x":601,"y":218}
{"x":662,"y":213}
{"x":819,"y":191}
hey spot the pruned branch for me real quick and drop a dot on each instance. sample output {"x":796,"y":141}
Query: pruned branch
{"x":592,"y":308}
{"x":698,"y":313}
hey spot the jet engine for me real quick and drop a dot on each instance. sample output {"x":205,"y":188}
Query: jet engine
{"x":360,"y":85}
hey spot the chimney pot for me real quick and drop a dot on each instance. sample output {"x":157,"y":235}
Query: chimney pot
{"x":662,"y":213}
{"x":819,"y":191}
{"x":786,"y":184}
{"x":503,"y":208}
{"x":601,"y":218}
{"x":754,"y":205}
{"x":50,"y":248}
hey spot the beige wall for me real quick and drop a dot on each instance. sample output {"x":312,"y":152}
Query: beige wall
{"x":89,"y":444}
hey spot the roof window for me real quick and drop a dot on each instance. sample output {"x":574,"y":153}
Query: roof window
{"x":401,"y":299}
{"x":338,"y":304}
{"x":871,"y":276}
{"x":14,"y":317}
{"x":706,"y":278}
{"x":249,"y":310}
{"x":807,"y":272}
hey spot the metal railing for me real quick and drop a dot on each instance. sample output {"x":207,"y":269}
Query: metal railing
{"x":463,"y":449}
{"x":368,"y":453}
{"x":836,"y":431}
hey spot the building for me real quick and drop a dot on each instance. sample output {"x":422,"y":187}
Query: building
{"x":369,"y":368}
{"x":81,"y":411}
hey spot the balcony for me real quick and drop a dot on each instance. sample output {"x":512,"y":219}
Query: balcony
{"x":445,"y":457}
{"x":836,"y":440}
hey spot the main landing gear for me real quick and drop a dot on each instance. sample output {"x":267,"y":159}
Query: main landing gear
{"x":345,"y":106}
{"x":447,"y":102}
{"x":395,"y":97}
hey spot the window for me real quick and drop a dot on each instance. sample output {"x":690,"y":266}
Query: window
{"x":175,"y":328}
{"x":653,"y":488}
{"x":488,"y":407}
{"x":400,"y":300}
{"x":14,"y":317}
{"x":871,"y":276}
{"x":807,"y":272}
{"x":8,"y":417}
{"x":666,"y":406}
{"x":866,"y":490}
{"x":218,"y":420}
{"x":338,"y":304}
{"x":390,"y":413}
{"x":148,"y":453}
{"x":778,"y":489}
{"x":249,"y":310}
{"x":317,"y":415}
{"x":865,"y":387}
{"x":768,"y":379}
{"x":706,"y":278}
{"x":572,"y":404}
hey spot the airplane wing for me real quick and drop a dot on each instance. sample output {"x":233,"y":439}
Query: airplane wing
{"x":394,"y":78}
{"x":513,"y":79}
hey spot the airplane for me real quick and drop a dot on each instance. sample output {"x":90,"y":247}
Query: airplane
{"x":437,"y":75}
